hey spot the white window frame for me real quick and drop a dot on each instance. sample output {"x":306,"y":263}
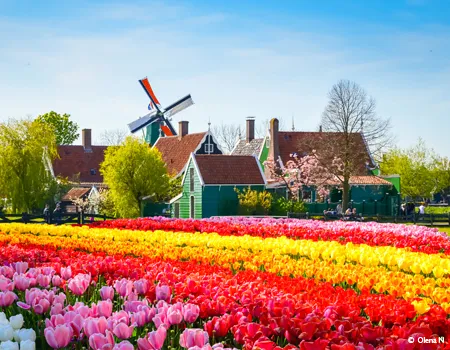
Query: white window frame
{"x":210,"y":149}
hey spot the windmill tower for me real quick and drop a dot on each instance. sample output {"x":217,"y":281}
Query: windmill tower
{"x":158,"y":120}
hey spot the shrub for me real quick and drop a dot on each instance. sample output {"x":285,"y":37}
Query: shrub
{"x":282,"y":206}
{"x":252,"y":202}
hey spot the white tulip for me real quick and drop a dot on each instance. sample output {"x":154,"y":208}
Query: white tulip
{"x":16,"y":322}
{"x":6,"y":332}
{"x":25,"y":334}
{"x":3,"y":319}
{"x":9,"y":345}
{"x":27,"y":345}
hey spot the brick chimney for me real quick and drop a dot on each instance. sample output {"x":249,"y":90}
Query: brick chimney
{"x":250,"y":129}
{"x":183,"y":128}
{"x":274,"y":151}
{"x":86,"y":135}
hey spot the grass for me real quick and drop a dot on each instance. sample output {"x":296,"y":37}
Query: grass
{"x":445,"y":229}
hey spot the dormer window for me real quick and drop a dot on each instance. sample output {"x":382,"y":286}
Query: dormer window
{"x":267,"y":143}
{"x":209,"y":148}
{"x":93,"y":172}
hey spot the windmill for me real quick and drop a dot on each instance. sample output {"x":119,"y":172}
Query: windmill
{"x":159,"y":118}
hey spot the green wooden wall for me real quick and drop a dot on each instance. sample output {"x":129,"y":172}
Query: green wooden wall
{"x":185,"y":199}
{"x":264,"y":153}
{"x":222,"y":200}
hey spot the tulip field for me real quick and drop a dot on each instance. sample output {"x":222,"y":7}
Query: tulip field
{"x":230,"y":283}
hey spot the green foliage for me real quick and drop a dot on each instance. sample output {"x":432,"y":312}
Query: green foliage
{"x":422,"y":172}
{"x":66,"y":131}
{"x":133,"y":171}
{"x":26,"y":151}
{"x":437,"y":210}
{"x":175,"y":188}
{"x":281,"y":206}
{"x":252,"y":202}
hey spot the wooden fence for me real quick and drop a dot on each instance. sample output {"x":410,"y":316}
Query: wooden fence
{"x":67,"y":218}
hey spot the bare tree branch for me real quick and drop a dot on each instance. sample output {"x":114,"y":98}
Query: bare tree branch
{"x":227,"y":135}
{"x":113,"y":137}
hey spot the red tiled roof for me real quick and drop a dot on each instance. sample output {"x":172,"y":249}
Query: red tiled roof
{"x":290,"y":142}
{"x":76,"y":192}
{"x":368,"y":180}
{"x":220,"y":169}
{"x":75,"y":160}
{"x":176,"y":151}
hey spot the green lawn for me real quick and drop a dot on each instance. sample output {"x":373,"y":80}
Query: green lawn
{"x":445,"y":229}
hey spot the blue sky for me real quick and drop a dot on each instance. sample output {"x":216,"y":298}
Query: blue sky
{"x":237,"y":59}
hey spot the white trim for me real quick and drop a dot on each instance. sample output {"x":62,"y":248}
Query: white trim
{"x":262,"y":146}
{"x":198,"y":170}
{"x":174,"y":199}
{"x":192,"y":156}
{"x":204,"y":139}
{"x":156,"y":142}
{"x":260,"y":170}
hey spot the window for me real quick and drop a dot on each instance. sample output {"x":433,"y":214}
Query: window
{"x":267,"y":143}
{"x":177,"y":210}
{"x":209,"y":148}
{"x":93,"y":172}
{"x":191,"y":179}
{"x":192,"y":208}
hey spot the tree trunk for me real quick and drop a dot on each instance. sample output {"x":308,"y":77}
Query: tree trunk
{"x":345,"y":194}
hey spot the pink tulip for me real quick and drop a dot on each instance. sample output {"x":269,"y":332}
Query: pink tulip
{"x":41,"y":306}
{"x":56,"y":309}
{"x":79,"y":284}
{"x":7,"y":271}
{"x":139,"y":318}
{"x":75,"y":321}
{"x":55,"y":320}
{"x":106,"y":293}
{"x":163,"y":293}
{"x":6,"y":299}
{"x":123,"y":287}
{"x":95,"y":325}
{"x":154,"y":340}
{"x":6,"y":284}
{"x":99,"y":341}
{"x":190,"y":313}
{"x":161,"y":319}
{"x":21,"y":267}
{"x":22,"y":282}
{"x":174,"y":316}
{"x":141,"y":286}
{"x":135,"y":306}
{"x":104,"y":308}
{"x":48,"y":270}
{"x":193,"y":337}
{"x":122,"y":331}
{"x":66,"y":273}
{"x":56,"y":281}
{"x":58,"y":337}
{"x":43,"y":280}
{"x":124,"y":345}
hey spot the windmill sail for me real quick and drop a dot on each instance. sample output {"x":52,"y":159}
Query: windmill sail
{"x":143,"y":122}
{"x":178,"y":106}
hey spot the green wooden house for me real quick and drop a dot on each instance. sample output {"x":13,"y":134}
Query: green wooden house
{"x":210,"y":182}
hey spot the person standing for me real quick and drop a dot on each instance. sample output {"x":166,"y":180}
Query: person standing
{"x":47,"y":214}
{"x":57,"y":213}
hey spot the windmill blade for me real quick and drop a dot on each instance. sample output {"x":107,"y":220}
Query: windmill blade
{"x":148,"y":89}
{"x":143,"y":122}
{"x":178,"y":106}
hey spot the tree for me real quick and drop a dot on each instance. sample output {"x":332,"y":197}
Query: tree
{"x":422,"y":172}
{"x":113,"y":137}
{"x":252,"y":202}
{"x":134,"y":171}
{"x":227,"y":136}
{"x":302,"y":172}
{"x":26,"y":151}
{"x":350,"y":125}
{"x":66,"y":130}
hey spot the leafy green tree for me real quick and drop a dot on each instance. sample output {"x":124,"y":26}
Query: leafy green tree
{"x":422,"y":172}
{"x":133,"y":171}
{"x":26,"y":151}
{"x":66,"y":130}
